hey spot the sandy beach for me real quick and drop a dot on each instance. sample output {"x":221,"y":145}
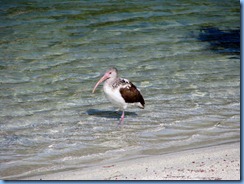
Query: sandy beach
{"x":210,"y":163}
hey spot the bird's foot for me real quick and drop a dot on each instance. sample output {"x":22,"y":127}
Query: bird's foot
{"x":121,"y":121}
{"x":122,"y":118}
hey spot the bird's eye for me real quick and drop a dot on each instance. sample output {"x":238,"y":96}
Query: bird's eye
{"x":110,"y":72}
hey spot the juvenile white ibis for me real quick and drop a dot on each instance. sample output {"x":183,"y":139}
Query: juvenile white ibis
{"x":120,"y":92}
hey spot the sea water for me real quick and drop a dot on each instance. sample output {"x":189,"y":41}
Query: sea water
{"x":184,"y":56}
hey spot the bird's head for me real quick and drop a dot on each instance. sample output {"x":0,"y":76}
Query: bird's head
{"x":112,"y":73}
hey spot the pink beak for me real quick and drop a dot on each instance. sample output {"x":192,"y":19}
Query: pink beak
{"x":100,"y":81}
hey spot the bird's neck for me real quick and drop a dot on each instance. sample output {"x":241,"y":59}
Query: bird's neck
{"x":110,"y":82}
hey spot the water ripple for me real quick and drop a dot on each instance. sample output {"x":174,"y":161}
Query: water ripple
{"x":53,"y":53}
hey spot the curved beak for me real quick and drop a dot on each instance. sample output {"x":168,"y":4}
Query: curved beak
{"x":100,"y":81}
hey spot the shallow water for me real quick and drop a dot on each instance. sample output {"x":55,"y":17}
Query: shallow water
{"x":183,"y":55}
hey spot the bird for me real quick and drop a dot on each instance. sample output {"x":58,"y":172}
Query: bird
{"x":120,"y":92}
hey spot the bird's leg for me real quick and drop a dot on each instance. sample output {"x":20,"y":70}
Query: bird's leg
{"x":122,"y":117}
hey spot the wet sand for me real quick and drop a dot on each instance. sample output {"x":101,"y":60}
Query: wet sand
{"x":210,"y":163}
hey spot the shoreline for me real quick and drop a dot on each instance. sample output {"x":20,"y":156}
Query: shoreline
{"x":220,"y":162}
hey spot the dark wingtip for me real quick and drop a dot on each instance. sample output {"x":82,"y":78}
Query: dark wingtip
{"x":143,"y":103}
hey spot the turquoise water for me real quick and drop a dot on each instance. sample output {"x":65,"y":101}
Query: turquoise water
{"x":183,"y":55}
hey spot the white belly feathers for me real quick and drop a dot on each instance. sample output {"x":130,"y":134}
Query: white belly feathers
{"x":114,"y":96}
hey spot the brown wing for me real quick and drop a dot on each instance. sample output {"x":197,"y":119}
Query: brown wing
{"x":131,"y":94}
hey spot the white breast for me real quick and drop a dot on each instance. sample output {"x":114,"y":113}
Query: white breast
{"x":114,"y":96}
